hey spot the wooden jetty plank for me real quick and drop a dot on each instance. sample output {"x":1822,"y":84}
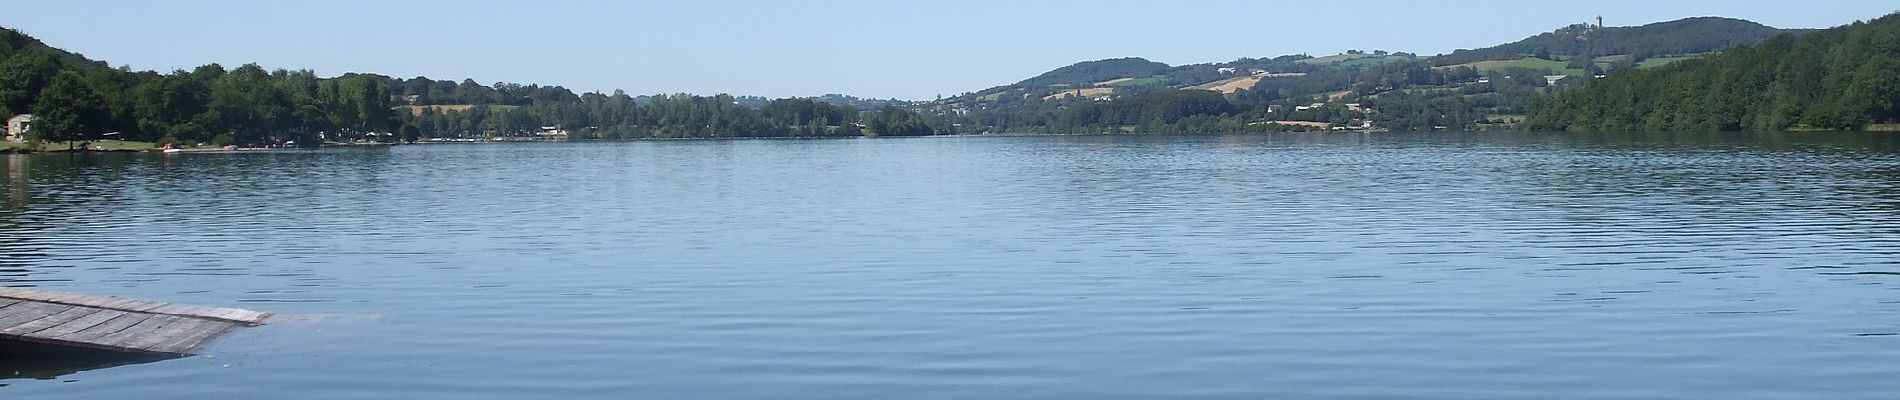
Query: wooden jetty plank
{"x":72,"y":313}
{"x":186,"y":341}
{"x":182,"y":327}
{"x":154,"y":323}
{"x":122,"y":304}
{"x":245,"y":316}
{"x":28,"y":312}
{"x":83,"y":323}
{"x":3,"y":308}
{"x":106,"y":328}
{"x":113,"y":323}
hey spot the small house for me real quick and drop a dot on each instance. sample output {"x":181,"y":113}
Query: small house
{"x":1226,"y":70}
{"x":17,"y":127}
{"x":1551,"y":80}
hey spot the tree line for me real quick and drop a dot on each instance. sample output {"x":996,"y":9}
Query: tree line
{"x":1841,"y":78}
{"x":74,"y":98}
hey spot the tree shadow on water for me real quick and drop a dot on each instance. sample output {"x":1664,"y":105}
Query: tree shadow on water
{"x":21,"y":360}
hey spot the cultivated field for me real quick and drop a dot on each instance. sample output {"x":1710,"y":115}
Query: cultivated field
{"x":1229,"y":85}
{"x":417,"y":110}
{"x":1086,"y":93}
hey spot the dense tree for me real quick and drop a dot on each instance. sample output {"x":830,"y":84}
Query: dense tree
{"x":68,"y":110}
{"x":1841,"y":78}
{"x":1683,"y":36}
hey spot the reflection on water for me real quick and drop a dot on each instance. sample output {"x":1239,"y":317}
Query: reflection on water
{"x":22,"y":360}
{"x":1471,"y":266}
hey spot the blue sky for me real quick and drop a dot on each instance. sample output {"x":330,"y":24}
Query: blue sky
{"x":904,"y":49}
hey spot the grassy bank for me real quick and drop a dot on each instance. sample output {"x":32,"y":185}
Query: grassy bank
{"x":96,"y":145}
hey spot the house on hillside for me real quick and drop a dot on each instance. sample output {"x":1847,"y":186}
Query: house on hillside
{"x":17,"y":127}
{"x":1227,"y":70}
{"x":1551,"y":80}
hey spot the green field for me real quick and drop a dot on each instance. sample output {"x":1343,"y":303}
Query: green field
{"x":1126,"y":82}
{"x":1527,"y":62}
{"x":1560,"y":66}
{"x":1355,"y":60}
{"x":1372,"y":61}
{"x":96,"y":145}
{"x":445,"y":108}
{"x":1335,"y":58}
{"x":1654,"y":62}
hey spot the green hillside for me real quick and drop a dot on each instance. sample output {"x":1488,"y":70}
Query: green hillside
{"x":1487,"y":88}
{"x":1683,"y":36}
{"x":1840,"y":78}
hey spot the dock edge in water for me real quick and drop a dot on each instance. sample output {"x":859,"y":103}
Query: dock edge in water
{"x":114,"y":324}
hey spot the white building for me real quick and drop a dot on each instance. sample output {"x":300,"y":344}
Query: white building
{"x":17,"y":127}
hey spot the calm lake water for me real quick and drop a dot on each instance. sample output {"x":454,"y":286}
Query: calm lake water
{"x":1442,"y":266}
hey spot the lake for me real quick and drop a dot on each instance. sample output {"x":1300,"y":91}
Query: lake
{"x":1315,"y":266}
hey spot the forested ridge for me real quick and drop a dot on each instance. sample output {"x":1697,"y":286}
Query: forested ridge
{"x":1487,"y":88}
{"x":1683,"y":36}
{"x":1841,"y":78}
{"x":73,"y":98}
{"x":1577,"y":77}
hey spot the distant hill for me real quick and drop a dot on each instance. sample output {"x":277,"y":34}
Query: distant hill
{"x":1683,"y":36}
{"x":1486,"y":88}
{"x":1557,"y":52}
{"x":1090,"y":72}
{"x":27,"y":66}
{"x":1840,"y":78}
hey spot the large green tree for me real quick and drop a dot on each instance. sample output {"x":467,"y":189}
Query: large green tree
{"x":68,"y":110}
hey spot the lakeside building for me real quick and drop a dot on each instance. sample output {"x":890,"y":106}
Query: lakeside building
{"x":17,"y":127}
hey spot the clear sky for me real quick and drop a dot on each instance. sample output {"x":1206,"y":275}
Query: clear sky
{"x":894,"y":48}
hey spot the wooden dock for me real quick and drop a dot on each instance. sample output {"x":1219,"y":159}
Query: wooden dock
{"x":115,"y":324}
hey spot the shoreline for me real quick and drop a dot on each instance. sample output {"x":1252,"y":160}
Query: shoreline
{"x":20,"y":148}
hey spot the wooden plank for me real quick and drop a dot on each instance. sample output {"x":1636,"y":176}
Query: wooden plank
{"x":245,"y":316}
{"x":180,"y":309}
{"x":14,"y":304}
{"x":186,"y":341}
{"x":72,"y":313}
{"x":183,"y":327}
{"x":153,"y":323}
{"x":123,"y":304}
{"x":105,"y":328}
{"x":27,"y":312}
{"x":83,"y":323}
{"x":115,"y":303}
{"x":114,"y":323}
{"x":146,"y":306}
{"x":18,"y":293}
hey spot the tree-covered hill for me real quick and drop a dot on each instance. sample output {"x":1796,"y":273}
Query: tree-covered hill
{"x":1683,"y":36}
{"x":1090,"y":72}
{"x":1840,"y":78}
{"x":1488,"y":88}
{"x":74,"y":99}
